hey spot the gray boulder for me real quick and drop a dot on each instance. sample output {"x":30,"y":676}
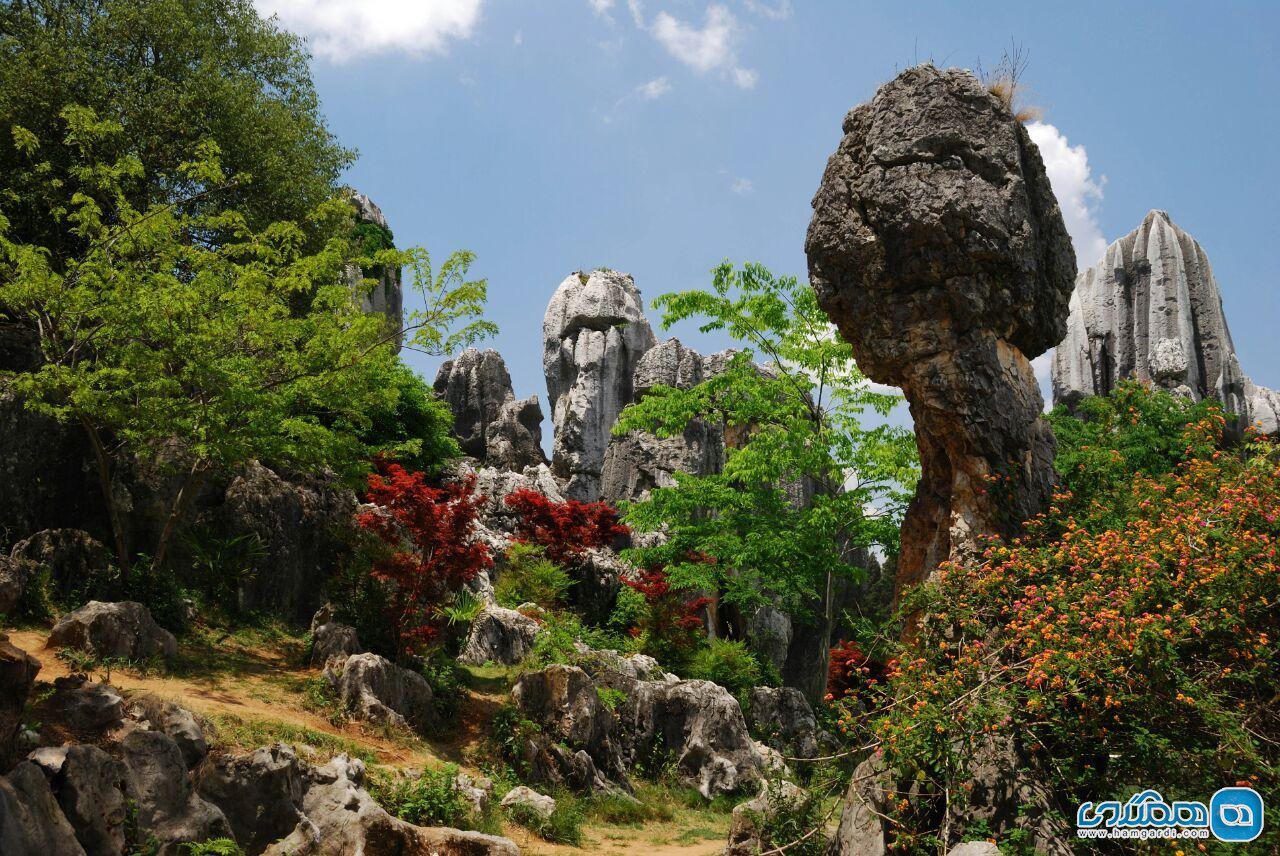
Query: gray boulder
{"x":565,"y":704}
{"x":477,"y":791}
{"x":341,"y":819}
{"x":72,"y":556}
{"x":167,"y":805}
{"x":974,"y":848}
{"x":89,"y":786}
{"x":125,"y":629}
{"x":939,"y":251}
{"x":31,"y":821}
{"x":499,"y":635}
{"x":14,"y":574}
{"x":698,"y":724}
{"x":375,"y":689}
{"x":331,"y":640}
{"x":260,"y":793}
{"x":526,"y":798}
{"x":594,"y":334}
{"x":18,"y":671}
{"x":176,"y":721}
{"x":491,"y":425}
{"x":86,"y":709}
{"x":1151,"y":309}
{"x":783,"y":719}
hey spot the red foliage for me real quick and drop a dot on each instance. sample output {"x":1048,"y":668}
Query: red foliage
{"x":850,"y":671}
{"x":564,"y":530}
{"x":433,"y":554}
{"x":671,"y":620}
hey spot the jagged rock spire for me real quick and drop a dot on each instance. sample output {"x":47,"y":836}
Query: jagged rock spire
{"x":1151,"y":309}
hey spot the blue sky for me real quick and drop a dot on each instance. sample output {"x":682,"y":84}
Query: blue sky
{"x":659,"y":137}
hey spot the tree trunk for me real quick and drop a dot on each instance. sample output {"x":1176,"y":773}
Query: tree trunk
{"x":104,"y":479}
{"x":190,"y":486}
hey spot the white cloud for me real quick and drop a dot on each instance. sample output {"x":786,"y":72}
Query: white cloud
{"x":601,"y":7}
{"x":776,"y":11}
{"x":343,"y":30}
{"x":1078,"y":192}
{"x":654,"y":89}
{"x":741,"y":186}
{"x":518,"y":38}
{"x":637,"y":12}
{"x":709,"y":48}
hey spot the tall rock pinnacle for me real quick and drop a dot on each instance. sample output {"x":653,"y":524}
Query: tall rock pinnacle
{"x":593,"y":336}
{"x":1151,"y":309}
{"x":938,"y":249}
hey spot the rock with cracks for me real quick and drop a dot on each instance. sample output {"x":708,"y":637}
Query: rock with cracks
{"x":123,"y":630}
{"x":377,"y":690}
{"x":499,"y":635}
{"x":700,"y":726}
{"x":938,"y":249}
{"x":1151,"y":309}
{"x":490,"y":424}
{"x":593,"y":336}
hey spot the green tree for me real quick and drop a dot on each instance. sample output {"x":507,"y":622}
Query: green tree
{"x":801,"y":471}
{"x":169,"y":73}
{"x":203,"y":355}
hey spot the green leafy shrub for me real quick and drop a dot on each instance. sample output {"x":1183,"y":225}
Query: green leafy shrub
{"x":446,"y":679}
{"x":564,"y":826}
{"x":611,"y":698}
{"x":36,"y":603}
{"x":212,"y":847}
{"x":728,"y":663}
{"x":528,"y":576}
{"x":794,"y":822}
{"x":509,"y":732}
{"x":430,"y":799}
{"x":416,"y":430}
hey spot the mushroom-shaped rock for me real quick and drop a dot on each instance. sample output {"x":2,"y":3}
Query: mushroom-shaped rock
{"x":939,"y":251}
{"x":593,"y":336}
{"x":125,"y":629}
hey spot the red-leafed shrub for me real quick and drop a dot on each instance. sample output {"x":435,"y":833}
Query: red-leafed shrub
{"x":671,"y":623}
{"x":429,"y":531}
{"x":564,"y":530}
{"x":850,"y":671}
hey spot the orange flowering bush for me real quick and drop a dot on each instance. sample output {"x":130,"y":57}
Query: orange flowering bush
{"x":1127,"y":638}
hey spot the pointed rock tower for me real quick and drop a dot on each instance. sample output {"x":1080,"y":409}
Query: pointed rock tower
{"x":1151,"y":309}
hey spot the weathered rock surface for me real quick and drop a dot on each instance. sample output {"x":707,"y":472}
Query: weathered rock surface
{"x":71,"y":555}
{"x":89,"y":786}
{"x":341,"y":819}
{"x":86,"y":709}
{"x":259,"y":792}
{"x":376,"y":689}
{"x":18,"y":671}
{"x":125,"y":629}
{"x":938,"y":249}
{"x":637,"y":462}
{"x":594,"y":334}
{"x":14,"y":574}
{"x":386,"y":297}
{"x":700,"y":725}
{"x":608,"y":668}
{"x":157,"y":783}
{"x":499,"y":635}
{"x":331,"y":639}
{"x":747,"y":835}
{"x":783,"y":719}
{"x":1151,"y":309}
{"x":179,"y":723}
{"x":974,"y":848}
{"x":298,"y":523}
{"x":566,"y":706}
{"x":527,"y":798}
{"x":31,"y":821}
{"x":491,"y":425}
{"x":478,"y":791}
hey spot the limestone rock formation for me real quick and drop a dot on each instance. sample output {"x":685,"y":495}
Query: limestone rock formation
{"x":563,"y":702}
{"x":637,"y":462}
{"x":1151,"y":309}
{"x":259,"y":792}
{"x":157,"y":784}
{"x":341,"y":819}
{"x":748,"y":835}
{"x":18,"y":671}
{"x":125,"y":629}
{"x":526,"y":798}
{"x":700,"y":725}
{"x":783,"y":719}
{"x":30,"y":819}
{"x":331,"y":639}
{"x":491,"y":425}
{"x":593,"y":336}
{"x":375,"y":689}
{"x":386,"y":297}
{"x":90,"y":788}
{"x":499,"y":635}
{"x":938,"y":249}
{"x":70,"y":555}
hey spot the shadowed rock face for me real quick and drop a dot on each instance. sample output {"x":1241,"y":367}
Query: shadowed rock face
{"x":593,"y":336}
{"x":938,"y":249}
{"x":1151,"y":309}
{"x":491,"y":425}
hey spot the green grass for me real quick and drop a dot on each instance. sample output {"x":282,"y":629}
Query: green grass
{"x":233,"y":730}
